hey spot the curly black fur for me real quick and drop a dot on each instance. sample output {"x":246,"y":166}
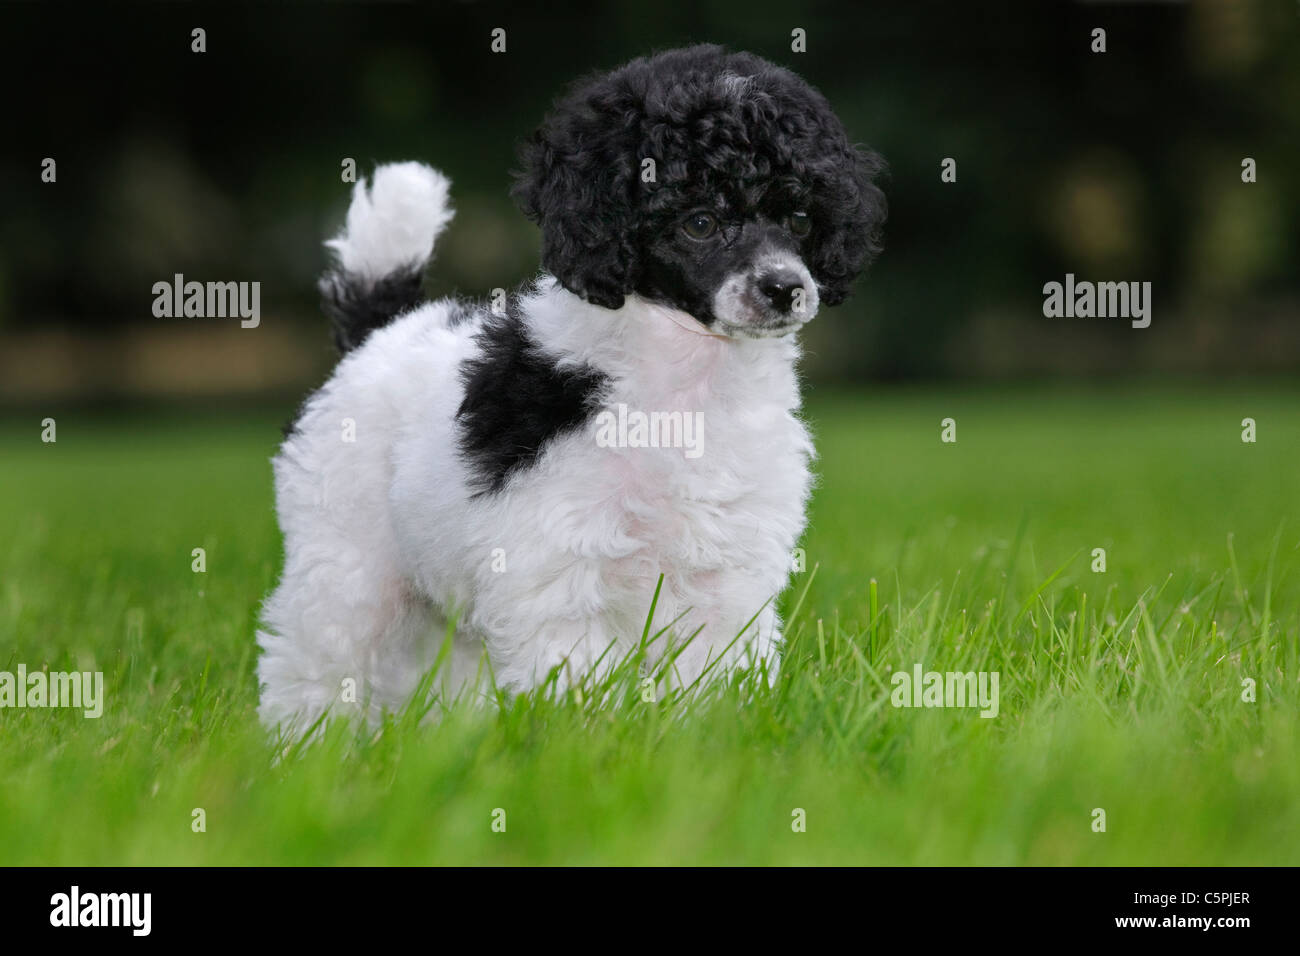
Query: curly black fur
{"x":728,"y":132}
{"x":357,"y":306}
{"x":517,"y":399}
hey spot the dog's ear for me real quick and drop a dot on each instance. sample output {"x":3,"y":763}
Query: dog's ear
{"x":578,"y":183}
{"x":849,"y":212}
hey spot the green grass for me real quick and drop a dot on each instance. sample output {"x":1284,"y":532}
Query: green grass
{"x":1119,"y":690}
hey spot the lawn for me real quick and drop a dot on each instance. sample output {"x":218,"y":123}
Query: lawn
{"x":1120,"y":691}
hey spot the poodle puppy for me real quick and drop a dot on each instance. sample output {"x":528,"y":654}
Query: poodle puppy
{"x":535,"y":467}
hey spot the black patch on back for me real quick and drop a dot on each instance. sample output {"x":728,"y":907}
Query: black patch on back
{"x":516,"y":400}
{"x":359,"y":306}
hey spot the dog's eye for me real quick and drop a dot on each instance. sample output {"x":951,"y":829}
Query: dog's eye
{"x":800,"y":223}
{"x":700,"y":225}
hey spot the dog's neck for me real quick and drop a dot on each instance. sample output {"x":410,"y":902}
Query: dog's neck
{"x":662,"y":357}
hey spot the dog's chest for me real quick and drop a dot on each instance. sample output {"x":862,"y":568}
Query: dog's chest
{"x":704,"y":479}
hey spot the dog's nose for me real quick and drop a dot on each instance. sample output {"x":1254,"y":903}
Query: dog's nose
{"x":780,"y":287}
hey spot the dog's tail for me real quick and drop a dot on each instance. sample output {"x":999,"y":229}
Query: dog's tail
{"x":383,"y":249}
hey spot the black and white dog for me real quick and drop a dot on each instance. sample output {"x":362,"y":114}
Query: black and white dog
{"x":696,"y":207}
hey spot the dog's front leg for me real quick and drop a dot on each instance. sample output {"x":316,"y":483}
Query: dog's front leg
{"x":724,"y":642}
{"x":558,"y":654}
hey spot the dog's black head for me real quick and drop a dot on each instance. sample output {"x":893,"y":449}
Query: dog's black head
{"x":714,"y":182}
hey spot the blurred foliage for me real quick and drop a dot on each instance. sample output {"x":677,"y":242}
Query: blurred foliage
{"x":1117,"y":166}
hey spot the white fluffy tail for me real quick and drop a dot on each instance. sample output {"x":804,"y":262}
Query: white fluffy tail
{"x":383,"y":249}
{"x":392,"y":225}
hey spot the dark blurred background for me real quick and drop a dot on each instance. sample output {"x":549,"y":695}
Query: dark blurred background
{"x":225,"y":165}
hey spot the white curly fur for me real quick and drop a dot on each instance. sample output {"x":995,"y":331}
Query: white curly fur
{"x":392,"y":225}
{"x":385,"y":536}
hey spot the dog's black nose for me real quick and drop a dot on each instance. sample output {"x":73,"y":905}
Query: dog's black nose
{"x":780,"y":287}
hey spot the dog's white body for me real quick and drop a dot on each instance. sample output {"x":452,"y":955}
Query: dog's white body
{"x":387,"y":535}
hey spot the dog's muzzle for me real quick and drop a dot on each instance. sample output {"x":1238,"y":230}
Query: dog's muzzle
{"x":775,"y":297}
